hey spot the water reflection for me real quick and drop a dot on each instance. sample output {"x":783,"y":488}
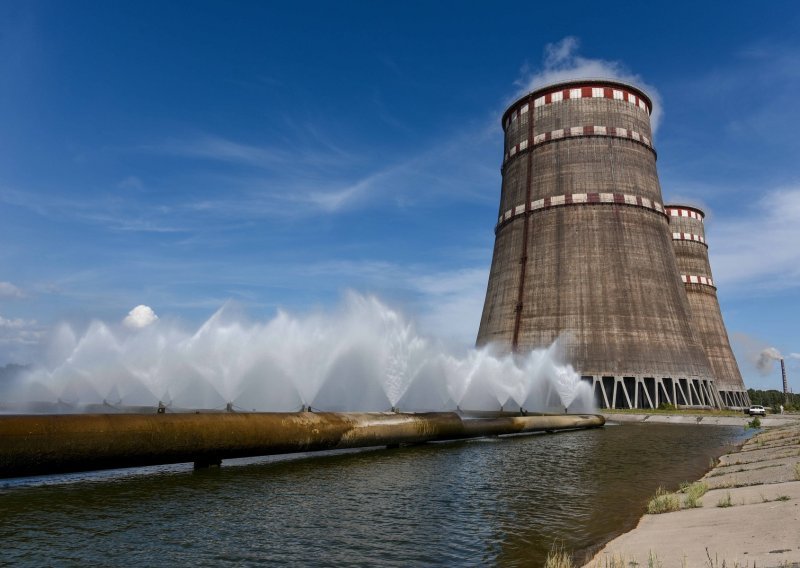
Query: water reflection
{"x":471,"y":503}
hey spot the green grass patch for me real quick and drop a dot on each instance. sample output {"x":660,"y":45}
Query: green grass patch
{"x":755,"y":424}
{"x":693,"y":492}
{"x":725,"y":501}
{"x":663,"y":502}
{"x":558,"y":558}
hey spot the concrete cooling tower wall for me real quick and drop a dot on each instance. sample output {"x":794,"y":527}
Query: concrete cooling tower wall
{"x":691,"y":252}
{"x":583,"y":249}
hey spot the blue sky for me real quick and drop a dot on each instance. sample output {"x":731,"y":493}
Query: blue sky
{"x":181,"y":155}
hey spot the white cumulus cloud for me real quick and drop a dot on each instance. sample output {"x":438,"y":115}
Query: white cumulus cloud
{"x":757,"y":249}
{"x":20,"y":339}
{"x":8,"y":290}
{"x":140,"y":317}
{"x":561,"y":62}
{"x":17,"y":323}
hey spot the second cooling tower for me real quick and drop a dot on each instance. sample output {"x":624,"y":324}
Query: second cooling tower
{"x":583,"y":248}
{"x":691,"y":252}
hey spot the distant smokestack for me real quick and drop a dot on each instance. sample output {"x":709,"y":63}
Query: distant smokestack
{"x":785,"y":383}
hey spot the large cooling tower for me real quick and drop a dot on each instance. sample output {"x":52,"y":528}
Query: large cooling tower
{"x":691,"y":251}
{"x":583,"y":248}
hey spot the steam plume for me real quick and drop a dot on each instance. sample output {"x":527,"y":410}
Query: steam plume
{"x":766,"y":358}
{"x":561,"y":62}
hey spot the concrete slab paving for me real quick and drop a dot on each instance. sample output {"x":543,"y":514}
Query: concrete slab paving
{"x":767,"y":422}
{"x":749,"y":517}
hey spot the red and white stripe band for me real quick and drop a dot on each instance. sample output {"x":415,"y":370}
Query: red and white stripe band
{"x":575,"y":131}
{"x":582,"y":199}
{"x":688,"y":237}
{"x":582,"y":92}
{"x":692,"y":279}
{"x":681,"y":212}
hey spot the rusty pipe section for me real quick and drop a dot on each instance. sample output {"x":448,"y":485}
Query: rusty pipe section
{"x":501,"y":426}
{"x":47,"y":444}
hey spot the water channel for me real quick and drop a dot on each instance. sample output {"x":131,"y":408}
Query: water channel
{"x":486,"y":502}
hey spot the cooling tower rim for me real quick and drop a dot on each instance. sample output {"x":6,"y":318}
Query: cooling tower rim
{"x":669,"y":206}
{"x":584,"y":82}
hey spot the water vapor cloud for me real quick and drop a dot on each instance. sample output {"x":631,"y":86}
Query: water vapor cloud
{"x":8,"y":290}
{"x":766,"y":358}
{"x":361,"y":356}
{"x":19,"y":338}
{"x":561,"y":62}
{"x":756,"y":354}
{"x":771,"y":225}
{"x":140,"y":317}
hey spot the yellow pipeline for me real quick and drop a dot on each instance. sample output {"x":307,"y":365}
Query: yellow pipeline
{"x":46,"y":444}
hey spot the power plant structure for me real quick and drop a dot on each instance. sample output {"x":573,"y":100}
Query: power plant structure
{"x":584,"y":252}
{"x":691,"y":252}
{"x":785,"y":382}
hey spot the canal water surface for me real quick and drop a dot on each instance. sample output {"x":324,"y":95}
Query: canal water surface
{"x":485,"y":502}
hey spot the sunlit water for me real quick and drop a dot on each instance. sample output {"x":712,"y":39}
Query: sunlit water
{"x":486,"y":502}
{"x":361,"y":356}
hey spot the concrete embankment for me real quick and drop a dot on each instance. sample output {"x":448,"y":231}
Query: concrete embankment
{"x":750,"y":515}
{"x":712,"y":420}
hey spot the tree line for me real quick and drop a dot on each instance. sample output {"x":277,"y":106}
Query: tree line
{"x":773,"y":399}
